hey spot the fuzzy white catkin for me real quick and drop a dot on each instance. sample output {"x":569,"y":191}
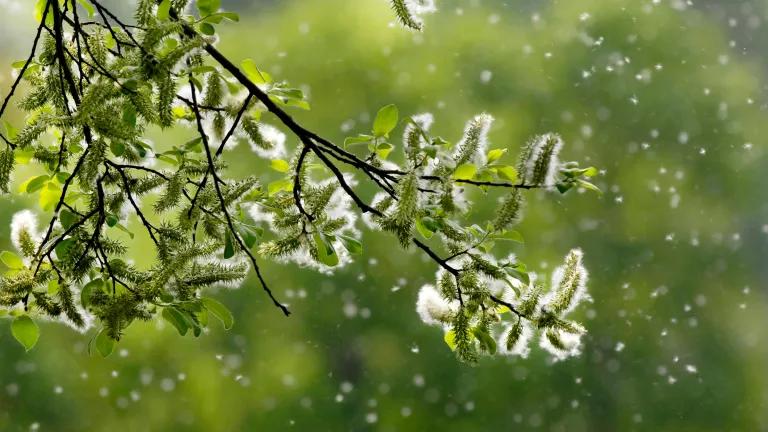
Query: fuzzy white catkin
{"x":573,"y":290}
{"x":432,"y":307}
{"x":424,"y":120}
{"x":521,"y":347}
{"x":272,"y":135}
{"x":572,"y":343}
{"x":23,"y":221}
{"x":553,"y":166}
{"x":475,"y":138}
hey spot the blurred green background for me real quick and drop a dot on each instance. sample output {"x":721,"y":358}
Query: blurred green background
{"x":668,"y":98}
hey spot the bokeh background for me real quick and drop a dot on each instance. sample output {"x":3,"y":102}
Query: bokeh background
{"x":667,"y":97}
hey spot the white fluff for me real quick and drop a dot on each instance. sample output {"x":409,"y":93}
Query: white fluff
{"x":24,"y":221}
{"x":522,"y":347}
{"x":432,"y":307}
{"x":571,"y":341}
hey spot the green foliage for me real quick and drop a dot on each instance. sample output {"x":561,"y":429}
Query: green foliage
{"x":89,"y":106}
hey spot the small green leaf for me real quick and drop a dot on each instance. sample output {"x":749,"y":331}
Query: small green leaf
{"x":589,"y":186}
{"x":384,"y":149}
{"x":486,"y":341}
{"x":386,"y":120}
{"x":63,"y":247}
{"x":280,"y":165}
{"x":229,"y":247}
{"x":208,"y":7}
{"x":423,"y":228}
{"x":164,"y":10}
{"x":219,"y":311}
{"x":495,"y":154}
{"x":512,"y":235}
{"x":87,"y":6}
{"x":88,"y":289}
{"x":276,"y":186}
{"x":117,"y":148}
{"x":507,"y":172}
{"x":25,"y":331}
{"x":326,"y":254}
{"x":360,"y":139}
{"x":177,"y":319}
{"x":49,"y":196}
{"x":111,"y":220}
{"x":249,"y":235}
{"x":254,"y":73}
{"x":10,"y":131}
{"x":11,"y":260}
{"x":34,"y":184}
{"x":104,"y":344}
{"x":450,"y":339}
{"x":53,"y":287}
{"x":465,"y":172}
{"x":353,"y":246}
{"x":207,"y":29}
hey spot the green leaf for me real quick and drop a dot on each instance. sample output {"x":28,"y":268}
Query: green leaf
{"x":111,"y":220}
{"x":424,"y":228}
{"x":49,"y":196}
{"x":326,"y":254}
{"x":208,"y":7}
{"x":249,"y":235}
{"x":87,"y":6}
{"x":276,"y":186}
{"x":61,"y":177}
{"x":360,"y":139}
{"x":280,"y":165}
{"x":216,"y":18}
{"x":104,"y":344}
{"x":353,"y":246}
{"x":177,"y":319}
{"x":512,"y":235}
{"x":589,"y":186}
{"x":88,"y":289}
{"x":39,"y":11}
{"x":386,"y":120}
{"x":207,"y":29}
{"x":164,"y":10}
{"x":63,"y":247}
{"x":117,"y":148}
{"x":53,"y":287}
{"x":229,"y":247}
{"x":384,"y":149}
{"x":25,"y":331}
{"x":495,"y":155}
{"x":465,"y":172}
{"x":34,"y":184}
{"x":11,"y":260}
{"x":219,"y":311}
{"x":507,"y":172}
{"x":10,"y":131}
{"x":450,"y":339}
{"x":123,"y":228}
{"x":485,"y":339}
{"x":254,"y":73}
{"x":590,"y":172}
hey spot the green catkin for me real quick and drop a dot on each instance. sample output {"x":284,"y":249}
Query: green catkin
{"x":509,"y":213}
{"x":251,"y":129}
{"x":401,"y":221}
{"x":6,"y":168}
{"x":405,"y":16}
